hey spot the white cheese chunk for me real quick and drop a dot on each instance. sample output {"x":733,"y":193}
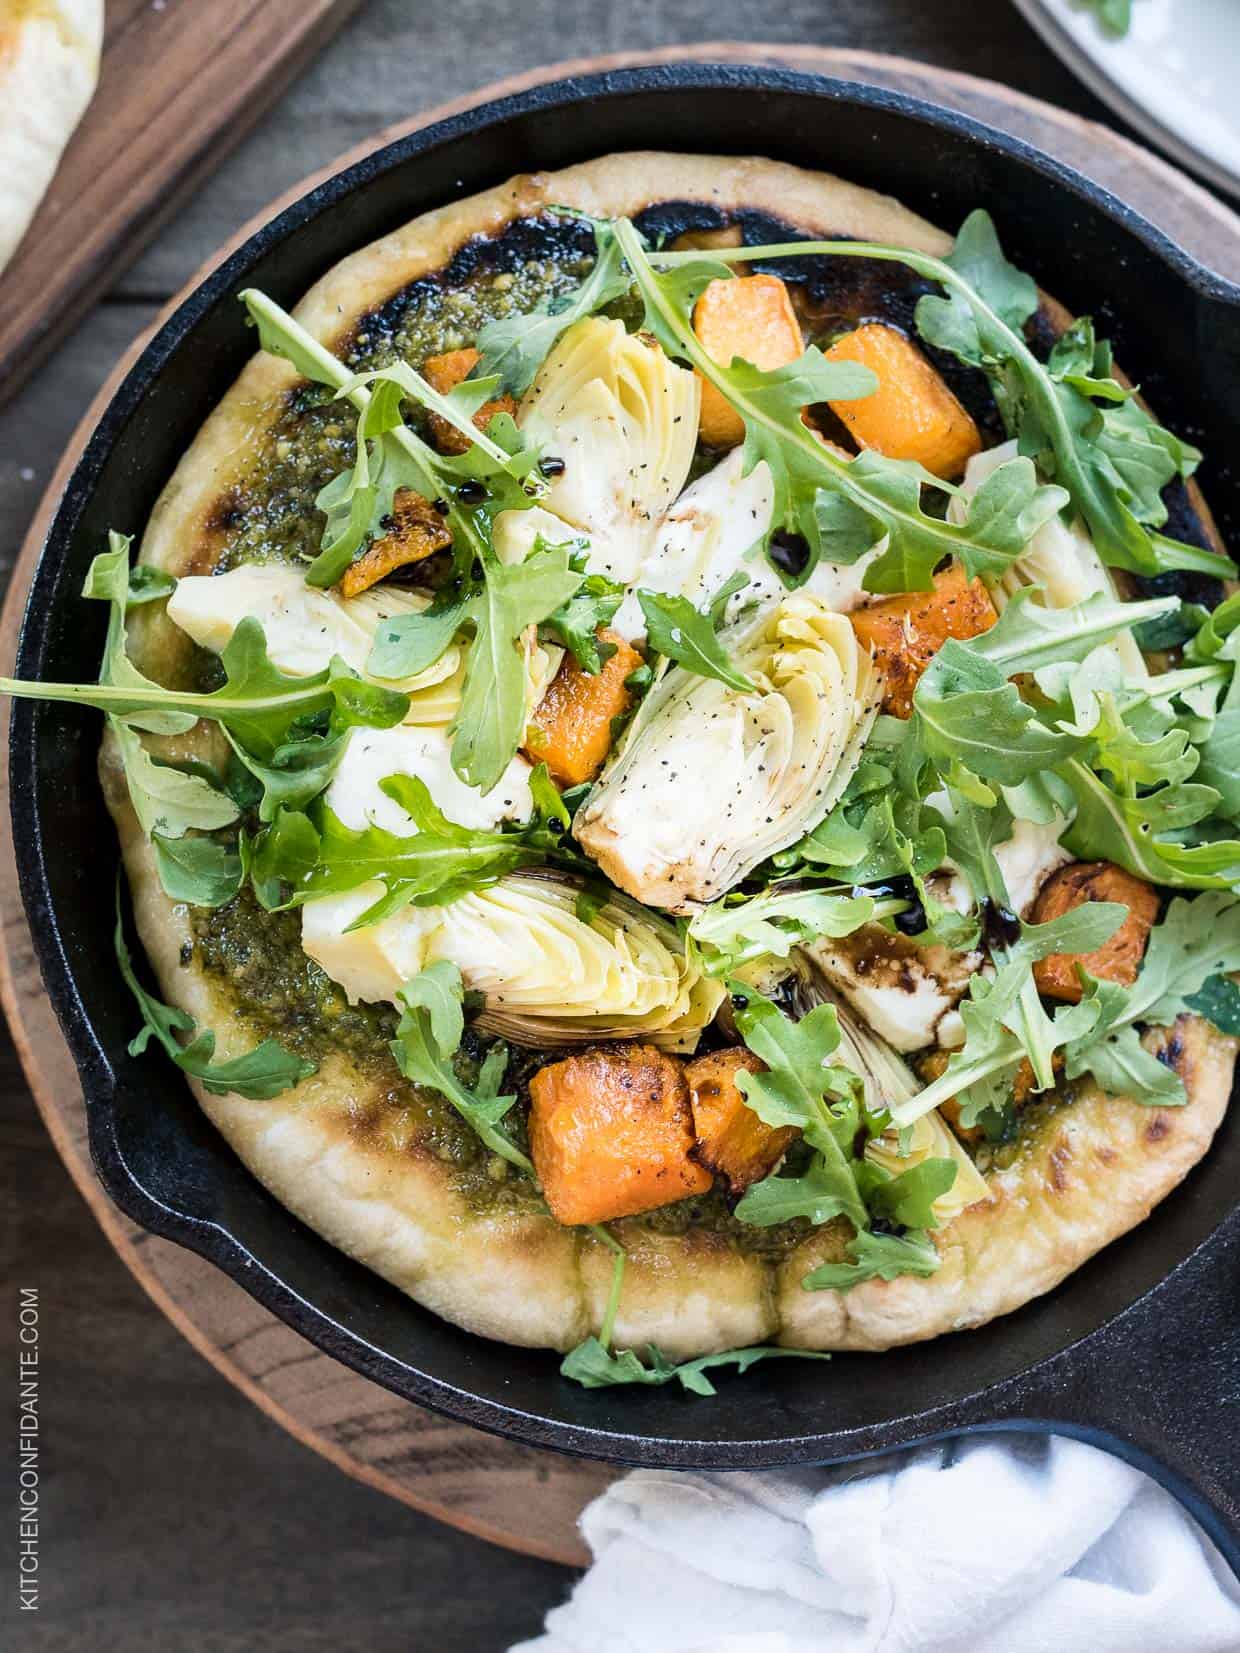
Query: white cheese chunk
{"x":717,"y":529}
{"x":373,"y":754}
{"x":899,"y":990}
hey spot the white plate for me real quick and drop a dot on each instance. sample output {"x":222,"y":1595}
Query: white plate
{"x":1175,"y":75}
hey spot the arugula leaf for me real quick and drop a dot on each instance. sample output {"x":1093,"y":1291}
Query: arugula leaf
{"x":1170,"y":631}
{"x":799,"y":1086}
{"x":1030,"y":634}
{"x":825,"y":1189}
{"x":1112,"y":1052}
{"x":166,"y":799}
{"x":407,"y":644}
{"x":952,"y":322}
{"x":1113,"y":826}
{"x":197,"y":870}
{"x":514,"y":347}
{"x":1197,"y":939}
{"x":1218,"y":1000}
{"x":1001,"y":1024}
{"x":258,"y":703}
{"x":432,"y":866}
{"x":576,"y":623}
{"x":264,"y":1072}
{"x":733,"y":931}
{"x":440,"y":991}
{"x":108,"y":580}
{"x":490,"y":721}
{"x":297,"y":772}
{"x":967,"y":715}
{"x":147,"y":584}
{"x":908,"y":1197}
{"x":280,"y":858}
{"x":1105,"y":463}
{"x":875,"y":1256}
{"x":841,"y":507}
{"x":427,"y":1037}
{"x":1114,"y":460}
{"x":1002,"y":517}
{"x":686,"y":635}
{"x":547,"y":798}
{"x":591,"y":1365}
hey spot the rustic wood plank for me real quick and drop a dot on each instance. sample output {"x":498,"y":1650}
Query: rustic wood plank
{"x":179,"y":85}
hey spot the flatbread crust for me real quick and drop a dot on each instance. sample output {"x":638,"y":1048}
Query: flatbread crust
{"x":49,"y":64}
{"x":1087,"y":1174}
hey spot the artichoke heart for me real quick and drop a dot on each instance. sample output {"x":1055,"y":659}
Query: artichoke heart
{"x":710,"y":780}
{"x":623,"y":417}
{"x":304,"y":626}
{"x":888,"y":1079}
{"x":548,"y":975}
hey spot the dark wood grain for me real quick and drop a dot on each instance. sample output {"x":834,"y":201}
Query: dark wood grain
{"x":180,"y":83}
{"x":177,"y":1515}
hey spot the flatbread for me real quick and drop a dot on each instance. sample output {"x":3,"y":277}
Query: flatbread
{"x":1083,"y":1174}
{"x":49,"y":64}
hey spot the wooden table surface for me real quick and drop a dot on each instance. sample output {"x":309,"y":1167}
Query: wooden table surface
{"x":175,"y":1516}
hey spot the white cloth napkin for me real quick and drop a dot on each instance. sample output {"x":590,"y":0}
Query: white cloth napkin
{"x":994,"y":1544}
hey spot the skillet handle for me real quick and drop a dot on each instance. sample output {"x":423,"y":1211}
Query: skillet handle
{"x":1159,"y":1386}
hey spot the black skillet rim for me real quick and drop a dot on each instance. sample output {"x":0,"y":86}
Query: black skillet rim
{"x":211,"y":1240}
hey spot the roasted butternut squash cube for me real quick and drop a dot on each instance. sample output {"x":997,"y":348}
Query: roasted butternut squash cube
{"x":444,"y":373}
{"x":731,"y":1139}
{"x":611,"y":1132}
{"x":415,"y":531}
{"x":571,"y":729}
{"x":907,"y":631}
{"x":747,"y":316}
{"x":913,"y":414}
{"x":1118,"y":959}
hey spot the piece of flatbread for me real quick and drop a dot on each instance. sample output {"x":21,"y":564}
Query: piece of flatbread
{"x":1085,"y":1175}
{"x":49,"y":64}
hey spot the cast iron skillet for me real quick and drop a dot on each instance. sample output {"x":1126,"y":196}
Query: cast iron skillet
{"x":1140,"y":1349}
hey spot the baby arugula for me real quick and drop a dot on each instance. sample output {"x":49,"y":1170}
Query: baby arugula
{"x":497,"y":602}
{"x":841,"y":507}
{"x":514,"y":347}
{"x":433,"y":864}
{"x":428,"y":1036}
{"x":1106,"y":456}
{"x":685,"y":634}
{"x":1193,"y":947}
{"x":802,"y":1087}
{"x":287,"y":731}
{"x":739,"y":929}
{"x":266,"y":1071}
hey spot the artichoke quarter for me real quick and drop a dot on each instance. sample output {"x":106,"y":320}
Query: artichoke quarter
{"x":710,"y":780}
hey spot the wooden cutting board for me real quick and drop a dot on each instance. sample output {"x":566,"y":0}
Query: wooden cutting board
{"x":181,"y":81}
{"x":510,"y":1494}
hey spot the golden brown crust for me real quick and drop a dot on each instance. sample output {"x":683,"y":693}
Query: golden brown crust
{"x":511,"y":1272}
{"x":1089,"y":1172}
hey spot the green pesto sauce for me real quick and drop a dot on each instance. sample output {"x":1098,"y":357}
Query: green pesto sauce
{"x":271,"y":515}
